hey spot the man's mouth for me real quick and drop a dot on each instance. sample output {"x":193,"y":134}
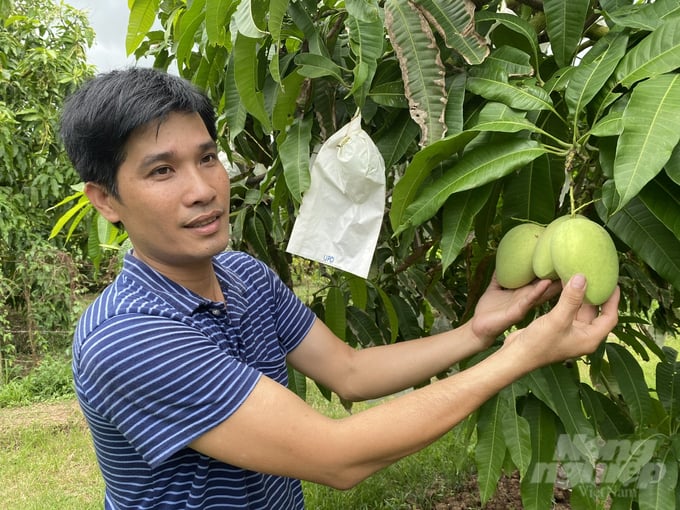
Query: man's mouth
{"x":203,"y":221}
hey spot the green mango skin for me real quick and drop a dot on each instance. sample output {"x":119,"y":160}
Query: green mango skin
{"x":580,"y":245}
{"x":514,"y":256}
{"x":542,"y":260}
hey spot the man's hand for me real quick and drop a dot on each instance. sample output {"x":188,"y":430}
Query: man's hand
{"x":500,"y":308}
{"x":571,"y":329}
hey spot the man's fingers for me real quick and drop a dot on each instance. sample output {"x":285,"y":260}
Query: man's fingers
{"x":572,"y":296}
{"x":609,"y":312}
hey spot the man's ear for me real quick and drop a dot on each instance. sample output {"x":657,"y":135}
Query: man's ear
{"x":102,"y":200}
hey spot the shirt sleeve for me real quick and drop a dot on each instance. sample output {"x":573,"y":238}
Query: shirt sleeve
{"x":161,"y":382}
{"x":293,"y":318}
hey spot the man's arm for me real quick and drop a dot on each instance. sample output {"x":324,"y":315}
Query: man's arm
{"x":383,"y":370}
{"x":276,"y":432}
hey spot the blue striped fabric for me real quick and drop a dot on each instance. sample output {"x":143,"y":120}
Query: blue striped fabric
{"x":156,"y":366}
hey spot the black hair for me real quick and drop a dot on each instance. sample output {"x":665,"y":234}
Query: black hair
{"x":98,"y":119}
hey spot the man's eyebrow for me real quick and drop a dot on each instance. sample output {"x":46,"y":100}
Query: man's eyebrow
{"x":152,"y":159}
{"x":210,"y":145}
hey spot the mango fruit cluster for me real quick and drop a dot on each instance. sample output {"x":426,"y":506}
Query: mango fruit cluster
{"x":568,"y":245}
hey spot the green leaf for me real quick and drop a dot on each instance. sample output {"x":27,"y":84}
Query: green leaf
{"x":217,"y":16}
{"x":492,"y":84}
{"x":255,"y":235}
{"x":644,"y":17}
{"x":524,"y":194}
{"x":316,"y":66}
{"x":651,"y":130}
{"x":277,"y":13}
{"x":555,"y":386}
{"x":142,"y":17}
{"x":593,"y":72}
{"x":335,"y":312}
{"x":513,"y":61}
{"x":565,"y":23}
{"x":187,"y":27}
{"x":609,"y":125}
{"x":358,"y":290}
{"x":211,"y":68}
{"x":538,"y":384}
{"x":476,"y":168}
{"x":366,"y":38}
{"x":234,"y":110}
{"x":662,"y":197}
{"x":68,"y":215}
{"x":389,"y":94}
{"x":673,"y":166}
{"x":611,"y":421}
{"x":106,"y":232}
{"x":94,"y":250}
{"x":626,"y":459}
{"x":246,"y":78}
{"x":455,"y":103}
{"x":657,"y":489}
{"x":537,"y":485}
{"x":304,"y":21}
{"x":516,"y":432}
{"x":420,"y":167}
{"x":294,"y":154}
{"x":518,"y":25}
{"x":285,"y":104}
{"x":78,"y":218}
{"x":394,"y":138}
{"x":455,"y":23}
{"x":656,"y":54}
{"x":508,"y":126}
{"x":247,"y":20}
{"x":421,"y":66}
{"x":459,"y":216}
{"x":490,"y":449}
{"x":668,"y":383}
{"x":640,"y":229}
{"x":390,"y":311}
{"x":297,"y":383}
{"x":631,"y":380}
{"x":363,"y":327}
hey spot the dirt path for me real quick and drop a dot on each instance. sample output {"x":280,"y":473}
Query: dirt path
{"x":53,"y":413}
{"x":64,"y":413}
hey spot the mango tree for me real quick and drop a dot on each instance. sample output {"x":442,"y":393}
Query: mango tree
{"x":42,"y":60}
{"x":487,"y":114}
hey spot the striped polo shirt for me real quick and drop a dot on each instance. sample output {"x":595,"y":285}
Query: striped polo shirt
{"x":156,"y":366}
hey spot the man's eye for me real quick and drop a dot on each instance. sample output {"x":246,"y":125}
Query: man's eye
{"x":209,"y":158}
{"x":163,"y":170}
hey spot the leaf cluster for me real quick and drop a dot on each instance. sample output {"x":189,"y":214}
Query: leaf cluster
{"x":42,"y":59}
{"x":486,"y":113}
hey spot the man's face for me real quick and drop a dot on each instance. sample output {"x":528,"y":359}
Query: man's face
{"x":173,"y":194}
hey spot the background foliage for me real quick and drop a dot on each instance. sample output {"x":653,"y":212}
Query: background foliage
{"x":486,"y":113}
{"x":42,"y":59}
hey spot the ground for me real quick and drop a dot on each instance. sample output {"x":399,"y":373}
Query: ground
{"x":506,"y":498}
{"x":467,"y":498}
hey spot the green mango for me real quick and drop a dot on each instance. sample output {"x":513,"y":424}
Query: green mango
{"x":542,"y":260}
{"x":514,"y":256}
{"x":580,"y":245}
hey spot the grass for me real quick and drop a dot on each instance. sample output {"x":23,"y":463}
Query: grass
{"x":415,"y":482}
{"x":47,"y":461}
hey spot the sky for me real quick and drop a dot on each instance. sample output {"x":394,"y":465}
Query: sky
{"x":109,"y":19}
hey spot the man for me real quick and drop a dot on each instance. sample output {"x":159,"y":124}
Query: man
{"x":180,"y":364}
